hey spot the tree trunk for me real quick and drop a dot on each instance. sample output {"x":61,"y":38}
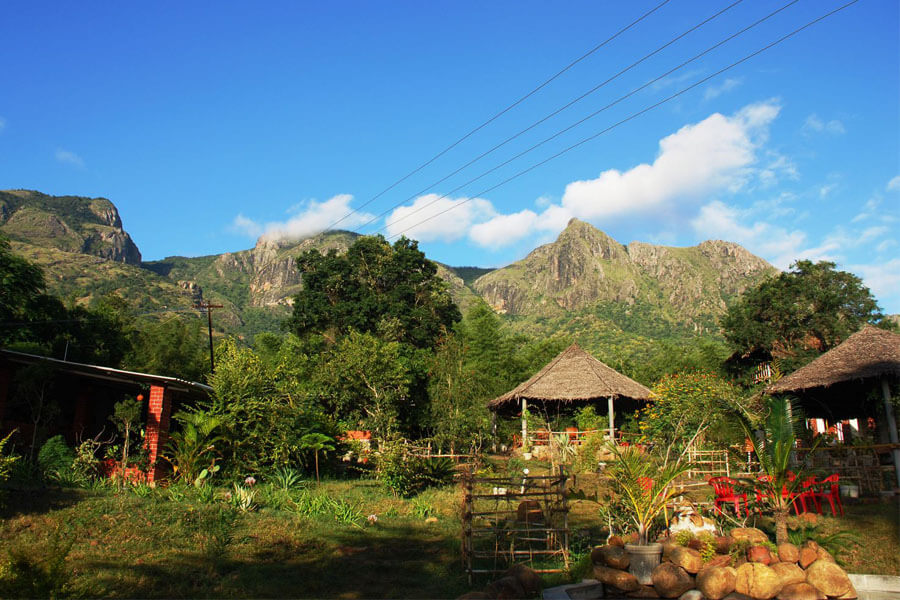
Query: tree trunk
{"x":781,"y":531}
{"x":317,"y":467}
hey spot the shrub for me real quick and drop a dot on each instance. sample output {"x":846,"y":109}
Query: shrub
{"x":406,"y":475}
{"x":55,"y":457}
{"x":6,"y":461}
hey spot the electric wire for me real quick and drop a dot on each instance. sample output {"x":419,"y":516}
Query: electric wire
{"x":557,"y":111}
{"x":501,"y":113}
{"x":588,"y":117}
{"x":631,"y":117}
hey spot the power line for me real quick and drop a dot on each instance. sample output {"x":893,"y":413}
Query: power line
{"x":559,"y":110}
{"x":632,"y":116}
{"x":590,"y":116}
{"x":501,"y":113}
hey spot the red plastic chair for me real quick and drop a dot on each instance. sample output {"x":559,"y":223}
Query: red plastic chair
{"x":833,"y":494}
{"x":762,"y":495}
{"x":725,"y":494}
{"x":808,"y":495}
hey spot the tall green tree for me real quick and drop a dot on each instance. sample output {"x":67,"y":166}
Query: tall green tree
{"x":392,"y":291}
{"x":800,"y":313}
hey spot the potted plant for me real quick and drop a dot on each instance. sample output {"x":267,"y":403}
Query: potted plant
{"x":644,"y":485}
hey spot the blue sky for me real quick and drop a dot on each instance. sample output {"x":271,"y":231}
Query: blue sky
{"x":210,"y":124}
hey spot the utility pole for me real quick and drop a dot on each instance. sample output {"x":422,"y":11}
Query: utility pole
{"x":204,"y":305}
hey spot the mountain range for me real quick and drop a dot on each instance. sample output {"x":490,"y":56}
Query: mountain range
{"x":584,"y":284}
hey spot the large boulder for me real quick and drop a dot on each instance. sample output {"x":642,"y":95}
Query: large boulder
{"x":671,"y":580}
{"x":646,"y":591}
{"x":800,"y":591}
{"x":788,"y":573}
{"x":759,"y":554}
{"x":716,"y":582}
{"x":691,"y":595}
{"x":611,"y":556}
{"x":686,"y":558}
{"x":530,"y":581}
{"x":505,"y":588}
{"x":850,"y":595}
{"x":808,"y":555}
{"x":724,"y":543}
{"x":757,"y":580}
{"x":788,"y":552}
{"x":622,"y":580}
{"x":616,"y":541}
{"x":828,"y":578}
{"x":719,"y":560}
{"x":751,"y":534}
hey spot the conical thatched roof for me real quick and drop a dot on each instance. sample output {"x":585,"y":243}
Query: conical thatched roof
{"x":572,"y":376}
{"x":871,"y":352}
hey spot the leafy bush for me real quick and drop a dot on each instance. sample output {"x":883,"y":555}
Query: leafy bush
{"x":55,"y":457}
{"x":406,"y":475}
{"x":85,"y":464}
{"x":36,"y":572}
{"x":6,"y":461}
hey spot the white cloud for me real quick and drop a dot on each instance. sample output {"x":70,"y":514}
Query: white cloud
{"x":714,"y":154}
{"x":311,"y":217}
{"x":714,"y":91}
{"x":778,"y":167}
{"x":775,"y":243}
{"x":445,"y":219}
{"x":815,"y":124}
{"x":894,"y":184}
{"x":825,"y":190}
{"x":883,"y":279}
{"x":68,"y":157}
{"x":885,"y":245}
{"x":872,"y":233}
{"x":869,"y":210}
{"x":503,"y":230}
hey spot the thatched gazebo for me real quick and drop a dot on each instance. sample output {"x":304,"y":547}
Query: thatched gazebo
{"x":868,"y":357}
{"x":574,"y":376}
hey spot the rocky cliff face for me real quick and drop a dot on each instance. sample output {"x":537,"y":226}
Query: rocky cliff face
{"x":585,"y":267}
{"x":69,"y":223}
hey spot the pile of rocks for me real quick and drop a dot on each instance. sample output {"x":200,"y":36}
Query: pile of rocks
{"x":789,"y":572}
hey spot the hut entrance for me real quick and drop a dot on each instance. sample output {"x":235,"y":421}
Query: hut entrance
{"x":510,"y":520}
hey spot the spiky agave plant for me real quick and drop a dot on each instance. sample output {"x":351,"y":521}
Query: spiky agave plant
{"x":774,"y":439}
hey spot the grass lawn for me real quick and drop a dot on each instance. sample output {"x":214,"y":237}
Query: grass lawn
{"x":313,"y":542}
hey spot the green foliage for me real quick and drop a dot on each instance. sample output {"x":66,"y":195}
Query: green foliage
{"x":836,"y":543}
{"x":55,"y":457}
{"x":406,"y":474}
{"x":176,"y":348}
{"x":37,"y":571}
{"x":6,"y":460}
{"x":216,"y":534}
{"x":192,"y":447}
{"x":285,"y":478}
{"x":685,"y":403}
{"x":391,"y":291}
{"x":799,"y":313}
{"x":587,"y":419}
{"x":588,"y":458}
{"x":645,"y":485}
{"x":242,"y":498}
{"x":85,"y":465}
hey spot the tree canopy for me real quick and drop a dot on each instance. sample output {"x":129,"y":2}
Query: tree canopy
{"x":390,"y":291}
{"x":799,"y":313}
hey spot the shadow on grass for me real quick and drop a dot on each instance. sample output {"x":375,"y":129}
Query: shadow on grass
{"x":392,"y":561}
{"x":34,"y":501}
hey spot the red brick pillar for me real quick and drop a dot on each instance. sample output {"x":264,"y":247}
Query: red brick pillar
{"x":158,"y":413}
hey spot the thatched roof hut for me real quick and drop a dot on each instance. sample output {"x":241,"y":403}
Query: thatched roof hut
{"x":573,"y":376}
{"x":841,"y":377}
{"x":871,"y":353}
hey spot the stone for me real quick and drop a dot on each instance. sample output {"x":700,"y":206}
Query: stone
{"x":850,"y":595}
{"x":716,"y":582}
{"x":800,"y":591}
{"x":723,"y":544}
{"x":622,"y":580}
{"x":611,"y":556}
{"x":759,"y":554}
{"x":824,"y":554}
{"x":691,"y":595}
{"x":807,"y":557}
{"x":751,"y":534}
{"x":530,"y":581}
{"x":475,"y":596}
{"x":646,"y":591}
{"x":616,"y":541}
{"x":788,"y":552}
{"x":667,"y":548}
{"x":670,"y":580}
{"x":789,"y":573}
{"x":737,"y":596}
{"x":505,"y":588}
{"x":686,"y":558}
{"x":757,"y":580}
{"x":828,"y":578}
{"x":719,"y":560}
{"x":529,"y":511}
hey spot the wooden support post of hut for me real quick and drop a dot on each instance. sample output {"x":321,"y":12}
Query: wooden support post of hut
{"x":843,"y":376}
{"x":574,"y":376}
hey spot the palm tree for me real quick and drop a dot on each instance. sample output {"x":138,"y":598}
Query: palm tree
{"x":773,"y":445}
{"x":316,"y":442}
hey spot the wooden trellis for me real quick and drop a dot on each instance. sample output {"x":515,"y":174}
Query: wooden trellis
{"x":509,"y":520}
